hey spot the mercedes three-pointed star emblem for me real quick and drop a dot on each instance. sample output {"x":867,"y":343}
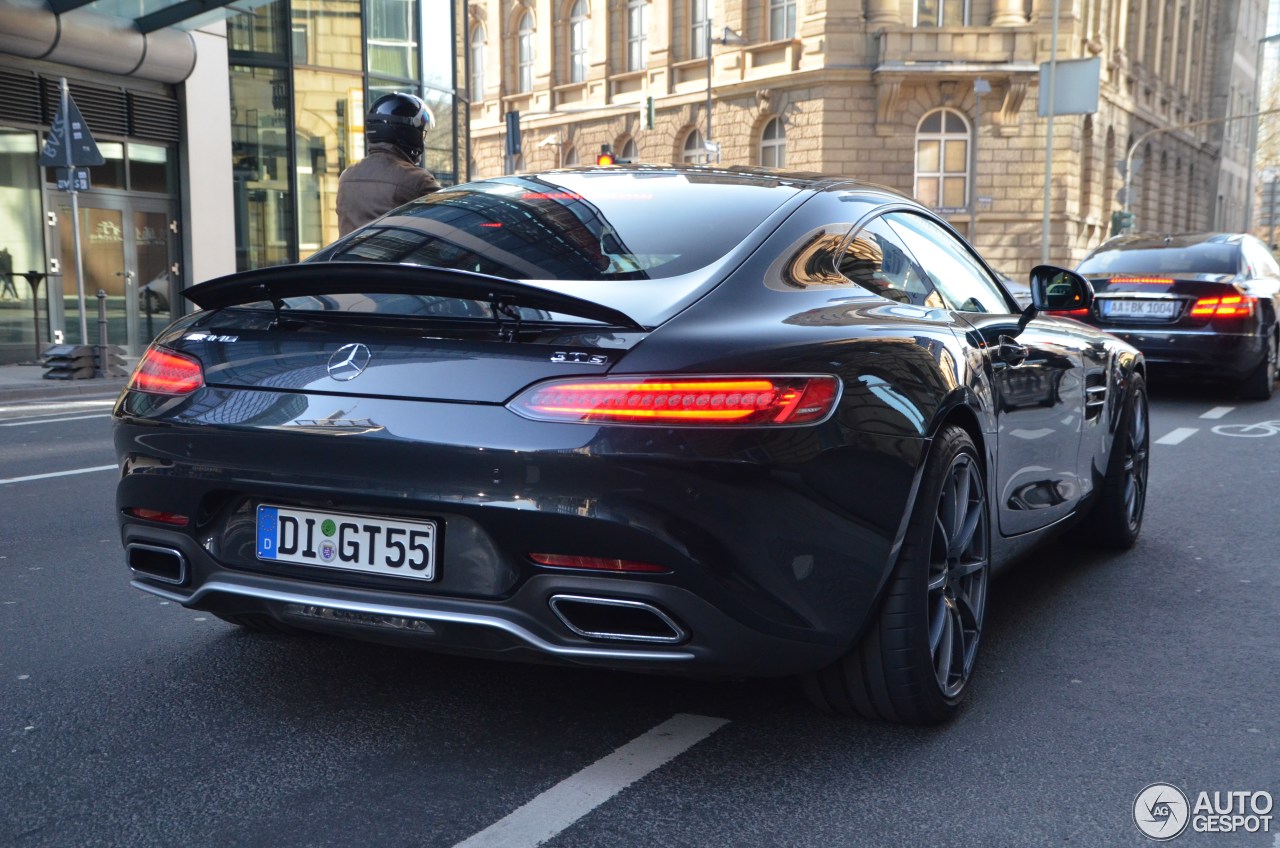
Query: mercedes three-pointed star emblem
{"x":349,"y":362}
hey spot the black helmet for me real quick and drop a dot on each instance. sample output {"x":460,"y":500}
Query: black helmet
{"x":402,"y":120}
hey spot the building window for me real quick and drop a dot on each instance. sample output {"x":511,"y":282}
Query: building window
{"x":629,"y":152}
{"x":637,"y":29}
{"x":773,"y":145}
{"x":695,"y":149}
{"x":578,"y":42}
{"x":942,"y":161}
{"x":782,"y":19}
{"x":477,"y":64}
{"x":698,"y":29}
{"x":392,"y":44}
{"x":524,"y":49}
{"x":942,"y":13}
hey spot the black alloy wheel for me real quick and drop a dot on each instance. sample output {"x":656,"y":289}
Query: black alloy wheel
{"x":1259,"y":384}
{"x":1116,"y":518}
{"x":918,"y":655}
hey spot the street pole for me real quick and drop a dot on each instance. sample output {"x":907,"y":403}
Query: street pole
{"x":1048,"y":153}
{"x":1253,"y":132}
{"x":980,"y":87}
{"x":75,"y":216}
{"x":709,"y":70}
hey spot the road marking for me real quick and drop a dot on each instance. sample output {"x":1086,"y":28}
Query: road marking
{"x":1178,"y":436}
{"x":58,"y":474}
{"x":575,"y":796}
{"x":52,"y":420}
{"x":1218,"y":412}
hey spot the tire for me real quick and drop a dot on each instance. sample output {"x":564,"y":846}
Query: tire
{"x":1116,"y":518}
{"x":1259,"y":384}
{"x":917,"y":656}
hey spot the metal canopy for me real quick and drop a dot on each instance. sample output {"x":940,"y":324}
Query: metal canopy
{"x":148,"y":16}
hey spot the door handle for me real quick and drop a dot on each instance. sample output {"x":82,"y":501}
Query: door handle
{"x":1010,"y":352}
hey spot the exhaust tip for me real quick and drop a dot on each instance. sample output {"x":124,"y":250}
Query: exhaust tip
{"x":614,"y":619}
{"x":157,"y":562}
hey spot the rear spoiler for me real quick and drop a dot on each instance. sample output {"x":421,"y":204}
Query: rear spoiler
{"x":276,"y":283}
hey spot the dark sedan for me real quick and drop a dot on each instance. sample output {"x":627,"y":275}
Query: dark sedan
{"x":670,"y":419}
{"x":1201,"y":306}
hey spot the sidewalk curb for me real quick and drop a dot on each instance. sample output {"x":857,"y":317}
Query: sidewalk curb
{"x":77,"y":388}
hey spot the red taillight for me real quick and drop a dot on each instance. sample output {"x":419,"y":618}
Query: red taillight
{"x":160,"y":516}
{"x":163,"y":372}
{"x":760,"y":401}
{"x":1230,"y":306}
{"x":596,"y":563}
{"x":1154,"y":281}
{"x":1069,"y":313}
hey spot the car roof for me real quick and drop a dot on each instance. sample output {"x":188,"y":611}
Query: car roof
{"x":1150,"y":241}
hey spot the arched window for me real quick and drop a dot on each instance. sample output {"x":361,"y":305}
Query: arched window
{"x":773,"y":144}
{"x":942,"y":160}
{"x":477,"y":64}
{"x":524,"y":51}
{"x":629,"y":152}
{"x":571,"y":156}
{"x":695,"y":149}
{"x":578,"y":42}
{"x":637,"y":34}
{"x":698,"y":23}
{"x":782,"y":19}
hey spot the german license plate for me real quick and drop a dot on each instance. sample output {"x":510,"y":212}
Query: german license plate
{"x":367,"y":543}
{"x":1139,"y":308}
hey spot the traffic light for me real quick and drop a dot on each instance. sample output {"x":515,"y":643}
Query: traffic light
{"x":606,"y":155}
{"x":1122,"y":222}
{"x":648,"y":114}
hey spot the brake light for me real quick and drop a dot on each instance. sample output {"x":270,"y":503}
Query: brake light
{"x":597,"y":563}
{"x":1230,"y":306}
{"x":1069,"y":313}
{"x":163,"y":372}
{"x":160,"y":516}
{"x":1155,"y":281}
{"x":724,"y":401}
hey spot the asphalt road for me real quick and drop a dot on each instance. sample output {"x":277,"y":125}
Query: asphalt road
{"x":129,"y":721}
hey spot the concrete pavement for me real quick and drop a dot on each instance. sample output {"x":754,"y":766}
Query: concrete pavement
{"x":26,"y":382}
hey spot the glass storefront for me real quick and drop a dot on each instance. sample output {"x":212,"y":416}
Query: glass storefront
{"x":302,"y":72}
{"x":21,"y":246}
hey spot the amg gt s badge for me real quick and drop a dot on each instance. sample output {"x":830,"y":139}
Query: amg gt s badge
{"x":574,"y":357}
{"x":349,"y":362}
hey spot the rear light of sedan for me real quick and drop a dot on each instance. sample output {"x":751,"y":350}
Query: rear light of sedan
{"x":163,"y":372}
{"x":598,"y":563}
{"x":1230,"y":306}
{"x":1150,"y":281}
{"x":717,"y":401}
{"x":1069,"y":313}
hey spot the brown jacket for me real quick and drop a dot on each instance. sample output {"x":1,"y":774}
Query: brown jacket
{"x":378,"y":183}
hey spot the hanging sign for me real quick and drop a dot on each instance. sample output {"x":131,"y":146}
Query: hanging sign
{"x":69,"y":141}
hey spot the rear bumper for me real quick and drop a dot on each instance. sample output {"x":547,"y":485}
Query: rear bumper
{"x":773,"y":567}
{"x":1229,"y":356}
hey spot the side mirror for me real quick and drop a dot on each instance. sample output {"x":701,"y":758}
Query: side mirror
{"x":1059,"y":290}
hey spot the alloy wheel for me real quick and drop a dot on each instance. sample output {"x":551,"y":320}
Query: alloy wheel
{"x":1136,"y":460}
{"x":957,"y":589}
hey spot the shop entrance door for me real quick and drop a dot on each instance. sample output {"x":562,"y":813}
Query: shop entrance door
{"x":128,"y":248}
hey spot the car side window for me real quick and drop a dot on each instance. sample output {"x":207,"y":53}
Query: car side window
{"x":876,"y":259}
{"x":1259,"y":260}
{"x":958,"y":276}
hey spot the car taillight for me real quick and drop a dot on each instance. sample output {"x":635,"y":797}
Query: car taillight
{"x":163,"y":372}
{"x":723,"y":401}
{"x":1068,"y":313}
{"x":1153,"y":281}
{"x":1230,"y":306}
{"x":597,"y":563}
{"x":159,"y":515}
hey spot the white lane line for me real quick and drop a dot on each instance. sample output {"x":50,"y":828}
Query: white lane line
{"x":58,"y":474}
{"x":575,"y":796}
{"x":52,"y":420}
{"x":1178,"y":436}
{"x":1218,"y":412}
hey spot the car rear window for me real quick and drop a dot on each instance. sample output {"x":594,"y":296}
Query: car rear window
{"x":1205,"y":258}
{"x":574,"y":226}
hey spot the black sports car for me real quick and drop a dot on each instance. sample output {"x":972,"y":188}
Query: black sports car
{"x":671,"y":419}
{"x":1201,"y":306}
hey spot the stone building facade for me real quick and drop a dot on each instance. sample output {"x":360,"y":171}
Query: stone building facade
{"x":888,"y":91}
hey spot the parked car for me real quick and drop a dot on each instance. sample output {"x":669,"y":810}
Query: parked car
{"x":1202,"y":306}
{"x":671,"y":419}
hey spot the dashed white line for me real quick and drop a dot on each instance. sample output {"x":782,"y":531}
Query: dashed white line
{"x":51,"y":420}
{"x":1177,"y":436}
{"x":58,"y":474}
{"x":575,"y":796}
{"x":1218,"y":412}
